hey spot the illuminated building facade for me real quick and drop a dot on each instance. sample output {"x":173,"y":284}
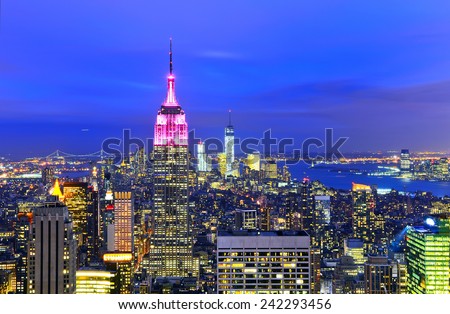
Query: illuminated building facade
{"x":47,"y":175}
{"x":222,"y":164}
{"x":379,"y":276}
{"x":8,"y":267}
{"x":347,"y":279}
{"x":253,"y":161}
{"x":6,"y":285}
{"x":363,"y":214}
{"x":93,"y":281}
{"x":321,"y":219}
{"x":315,"y":270}
{"x":122,"y":265}
{"x":52,"y":251}
{"x":22,"y":234}
{"x":440,"y":168}
{"x":123,"y":221}
{"x":202,"y":160}
{"x":246,"y":219}
{"x":229,"y":146}
{"x":306,"y":205}
{"x":171,"y":243}
{"x":252,"y":262}
{"x":92,"y":225}
{"x":428,"y":259}
{"x":405,"y":161}
{"x":355,"y":249}
{"x":292,"y":209}
{"x":76,"y":199}
{"x":270,"y":169}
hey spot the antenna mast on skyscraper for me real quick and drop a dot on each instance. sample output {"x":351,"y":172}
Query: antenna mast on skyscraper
{"x":170,"y":55}
{"x":229,"y":117}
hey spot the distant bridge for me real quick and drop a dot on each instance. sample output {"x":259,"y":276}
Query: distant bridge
{"x":99,"y":154}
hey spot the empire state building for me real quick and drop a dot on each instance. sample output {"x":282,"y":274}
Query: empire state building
{"x":171,"y":243}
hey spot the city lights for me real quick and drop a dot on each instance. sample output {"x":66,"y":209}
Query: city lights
{"x":294,"y":149}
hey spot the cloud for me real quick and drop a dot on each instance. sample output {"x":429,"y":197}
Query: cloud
{"x":220,"y":54}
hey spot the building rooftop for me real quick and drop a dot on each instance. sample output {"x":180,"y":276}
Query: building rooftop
{"x":256,"y":233}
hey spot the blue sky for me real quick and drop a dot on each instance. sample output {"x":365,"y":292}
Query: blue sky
{"x":375,"y":71}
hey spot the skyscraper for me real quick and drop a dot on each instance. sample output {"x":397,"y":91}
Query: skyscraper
{"x":321,"y":218}
{"x":52,"y":250}
{"x":428,"y":257}
{"x":222,"y":164}
{"x":306,"y":205}
{"x":229,"y":144}
{"x":405,"y":162}
{"x":123,"y":222}
{"x":202,"y":162}
{"x":363,"y":214}
{"x":379,"y":276}
{"x":171,"y":245}
{"x":92,"y":225}
{"x":76,"y":200}
{"x":22,"y":234}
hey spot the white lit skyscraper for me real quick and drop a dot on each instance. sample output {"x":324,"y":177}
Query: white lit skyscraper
{"x":229,"y":145}
{"x":202,"y":161}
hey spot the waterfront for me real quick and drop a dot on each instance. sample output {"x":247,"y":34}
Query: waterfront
{"x":341,"y":176}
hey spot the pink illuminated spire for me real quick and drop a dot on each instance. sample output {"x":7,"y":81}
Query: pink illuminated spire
{"x":171,"y":128}
{"x":170,"y":100}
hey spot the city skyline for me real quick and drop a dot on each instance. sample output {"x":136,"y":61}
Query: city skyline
{"x":173,"y":223}
{"x":317,"y":66}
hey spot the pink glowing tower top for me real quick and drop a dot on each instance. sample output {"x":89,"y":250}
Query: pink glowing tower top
{"x":171,"y":126}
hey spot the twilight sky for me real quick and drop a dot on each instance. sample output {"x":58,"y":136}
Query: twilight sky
{"x":75,"y":72}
